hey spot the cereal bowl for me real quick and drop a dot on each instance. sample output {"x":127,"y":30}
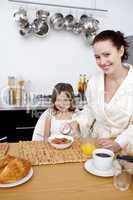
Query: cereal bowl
{"x":60,"y":141}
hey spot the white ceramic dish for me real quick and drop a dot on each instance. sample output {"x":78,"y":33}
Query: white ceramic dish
{"x":60,"y":146}
{"x":89,"y":166}
{"x":19,"y":182}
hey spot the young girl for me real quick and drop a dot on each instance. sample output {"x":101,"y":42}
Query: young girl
{"x":60,"y":118}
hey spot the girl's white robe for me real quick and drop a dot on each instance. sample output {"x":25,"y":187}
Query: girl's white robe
{"x":114,"y":119}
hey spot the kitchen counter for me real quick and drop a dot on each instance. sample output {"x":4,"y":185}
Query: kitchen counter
{"x":43,"y":104}
{"x":31,"y":107}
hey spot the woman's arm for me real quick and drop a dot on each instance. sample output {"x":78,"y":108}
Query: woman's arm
{"x":125,"y":137}
{"x":85,"y":119}
{"x":128,"y":150}
{"x":121,"y":141}
{"x":108,"y":144}
{"x":75,"y":129}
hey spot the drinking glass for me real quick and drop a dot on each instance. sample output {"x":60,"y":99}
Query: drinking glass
{"x":129,"y":149}
{"x":122,"y":179}
{"x":87,"y":145}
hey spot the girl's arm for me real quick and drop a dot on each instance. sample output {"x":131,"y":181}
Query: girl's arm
{"x":47,"y":128}
{"x":38,"y":134}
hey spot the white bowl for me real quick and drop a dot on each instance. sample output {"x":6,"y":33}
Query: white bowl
{"x":60,"y":146}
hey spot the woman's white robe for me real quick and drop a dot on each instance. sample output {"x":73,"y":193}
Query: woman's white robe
{"x":113,"y":120}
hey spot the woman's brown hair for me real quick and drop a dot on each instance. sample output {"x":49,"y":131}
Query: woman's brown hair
{"x":116,"y":37}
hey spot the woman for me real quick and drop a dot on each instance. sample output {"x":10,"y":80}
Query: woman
{"x":109,"y":114}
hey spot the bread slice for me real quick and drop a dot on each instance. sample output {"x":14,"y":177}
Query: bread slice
{"x":16,"y":169}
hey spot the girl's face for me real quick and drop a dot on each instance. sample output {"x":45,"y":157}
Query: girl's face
{"x":62,"y":102}
{"x":108,"y":57}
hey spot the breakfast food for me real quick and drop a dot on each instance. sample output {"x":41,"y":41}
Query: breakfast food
{"x":87,"y":148}
{"x":5,"y":161}
{"x":61,"y":141}
{"x":13,"y":169}
{"x":3,"y":149}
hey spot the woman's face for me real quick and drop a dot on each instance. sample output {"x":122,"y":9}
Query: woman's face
{"x":62,"y":102}
{"x":108,"y":57}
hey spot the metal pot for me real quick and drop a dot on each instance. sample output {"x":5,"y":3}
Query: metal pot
{"x":25,"y":31}
{"x":57,"y":21}
{"x":22,"y":19}
{"x":42,"y":14}
{"x":20,"y":14}
{"x":90,"y":24}
{"x":95,"y":24}
{"x":69,"y":22}
{"x":40,"y":28}
{"x":77,"y":28}
{"x":83,"y":19}
{"x":89,"y":37}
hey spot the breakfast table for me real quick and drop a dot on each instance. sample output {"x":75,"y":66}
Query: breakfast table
{"x":67,"y":181}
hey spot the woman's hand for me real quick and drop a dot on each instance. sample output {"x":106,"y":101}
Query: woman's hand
{"x":109,"y":144}
{"x":75,"y":129}
{"x":128,"y":166}
{"x":128,"y":150}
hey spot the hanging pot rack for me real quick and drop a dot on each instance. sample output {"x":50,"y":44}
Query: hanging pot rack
{"x":59,"y":5}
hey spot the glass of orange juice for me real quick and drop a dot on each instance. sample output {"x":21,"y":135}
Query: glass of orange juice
{"x":88,"y":145}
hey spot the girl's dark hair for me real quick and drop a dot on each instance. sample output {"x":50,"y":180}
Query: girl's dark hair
{"x":68,"y":89}
{"x":116,"y":37}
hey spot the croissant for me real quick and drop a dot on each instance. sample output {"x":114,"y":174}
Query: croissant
{"x":6,"y":160}
{"x":15,"y":169}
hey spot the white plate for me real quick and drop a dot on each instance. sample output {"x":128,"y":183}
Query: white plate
{"x":91,"y":168}
{"x":60,"y":146}
{"x":19,"y":182}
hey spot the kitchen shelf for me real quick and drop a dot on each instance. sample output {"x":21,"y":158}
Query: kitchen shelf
{"x":59,"y":5}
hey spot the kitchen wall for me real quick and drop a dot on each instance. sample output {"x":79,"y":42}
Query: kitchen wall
{"x":60,"y":56}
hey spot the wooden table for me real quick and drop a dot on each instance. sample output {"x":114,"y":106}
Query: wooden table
{"x":64,"y":182}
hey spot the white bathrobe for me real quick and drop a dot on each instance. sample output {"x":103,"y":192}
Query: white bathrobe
{"x":114,"y":119}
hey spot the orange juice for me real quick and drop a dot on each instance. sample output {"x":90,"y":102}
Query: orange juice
{"x":87,"y":148}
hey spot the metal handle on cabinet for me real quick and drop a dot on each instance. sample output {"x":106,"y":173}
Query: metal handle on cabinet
{"x":24,"y":128}
{"x":4,"y":138}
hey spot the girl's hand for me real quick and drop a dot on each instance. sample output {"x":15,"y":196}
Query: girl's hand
{"x":109,"y":144}
{"x":47,"y":127}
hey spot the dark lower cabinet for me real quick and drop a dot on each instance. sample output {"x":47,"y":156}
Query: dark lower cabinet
{"x":18,"y":125}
